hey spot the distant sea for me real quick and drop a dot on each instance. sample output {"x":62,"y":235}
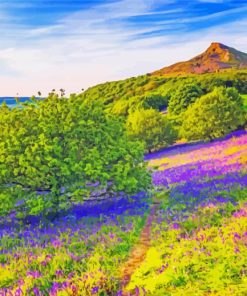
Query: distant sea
{"x":10,"y":101}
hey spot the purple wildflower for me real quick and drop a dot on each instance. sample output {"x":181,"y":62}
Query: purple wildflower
{"x":95,"y":290}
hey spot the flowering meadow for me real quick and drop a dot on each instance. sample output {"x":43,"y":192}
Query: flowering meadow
{"x":199,"y":236}
{"x":78,"y":254}
{"x":198,"y":241}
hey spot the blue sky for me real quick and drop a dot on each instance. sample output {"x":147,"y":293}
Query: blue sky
{"x":48,"y":44}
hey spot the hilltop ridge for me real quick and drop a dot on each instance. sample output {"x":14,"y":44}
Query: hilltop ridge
{"x":216,"y":58}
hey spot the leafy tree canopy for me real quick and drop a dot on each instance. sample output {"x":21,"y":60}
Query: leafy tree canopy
{"x":149,"y":91}
{"x":151,"y":127}
{"x":213,"y":115}
{"x":68,"y":148}
{"x":183,"y":96}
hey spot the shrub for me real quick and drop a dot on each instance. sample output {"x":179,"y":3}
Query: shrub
{"x":68,"y":148}
{"x":150,"y":127}
{"x":213,"y":115}
{"x":184,"y":95}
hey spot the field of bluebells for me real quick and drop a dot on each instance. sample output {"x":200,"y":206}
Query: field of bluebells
{"x":198,"y":242}
{"x":78,"y":254}
{"x":199,"y":237}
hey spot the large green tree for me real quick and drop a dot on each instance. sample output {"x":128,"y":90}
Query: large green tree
{"x":68,"y":148}
{"x":213,"y":115}
{"x":150,"y":127}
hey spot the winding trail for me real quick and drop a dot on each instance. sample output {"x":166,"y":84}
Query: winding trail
{"x":139,"y":251}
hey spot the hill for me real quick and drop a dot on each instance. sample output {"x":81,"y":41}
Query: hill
{"x":151,"y":91}
{"x":216,"y":58}
{"x":219,"y":65}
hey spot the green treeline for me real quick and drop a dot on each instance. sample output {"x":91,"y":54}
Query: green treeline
{"x":135,"y":100}
{"x":147,"y":91}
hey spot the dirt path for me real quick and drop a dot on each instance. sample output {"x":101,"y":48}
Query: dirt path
{"x":138,"y":253}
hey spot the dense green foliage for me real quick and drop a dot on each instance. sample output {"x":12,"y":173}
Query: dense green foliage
{"x":127,"y":99}
{"x":213,"y":115}
{"x":147,"y":101}
{"x":154,"y":91}
{"x":183,"y":96}
{"x":245,"y":101}
{"x":159,"y":92}
{"x":68,"y":148}
{"x":151,"y":127}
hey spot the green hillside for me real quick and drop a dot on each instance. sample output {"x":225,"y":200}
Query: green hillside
{"x":149,"y":91}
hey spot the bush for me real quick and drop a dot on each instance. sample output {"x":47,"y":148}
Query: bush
{"x":184,"y":95}
{"x":213,"y":115}
{"x":69,"y":148}
{"x":150,"y":127}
